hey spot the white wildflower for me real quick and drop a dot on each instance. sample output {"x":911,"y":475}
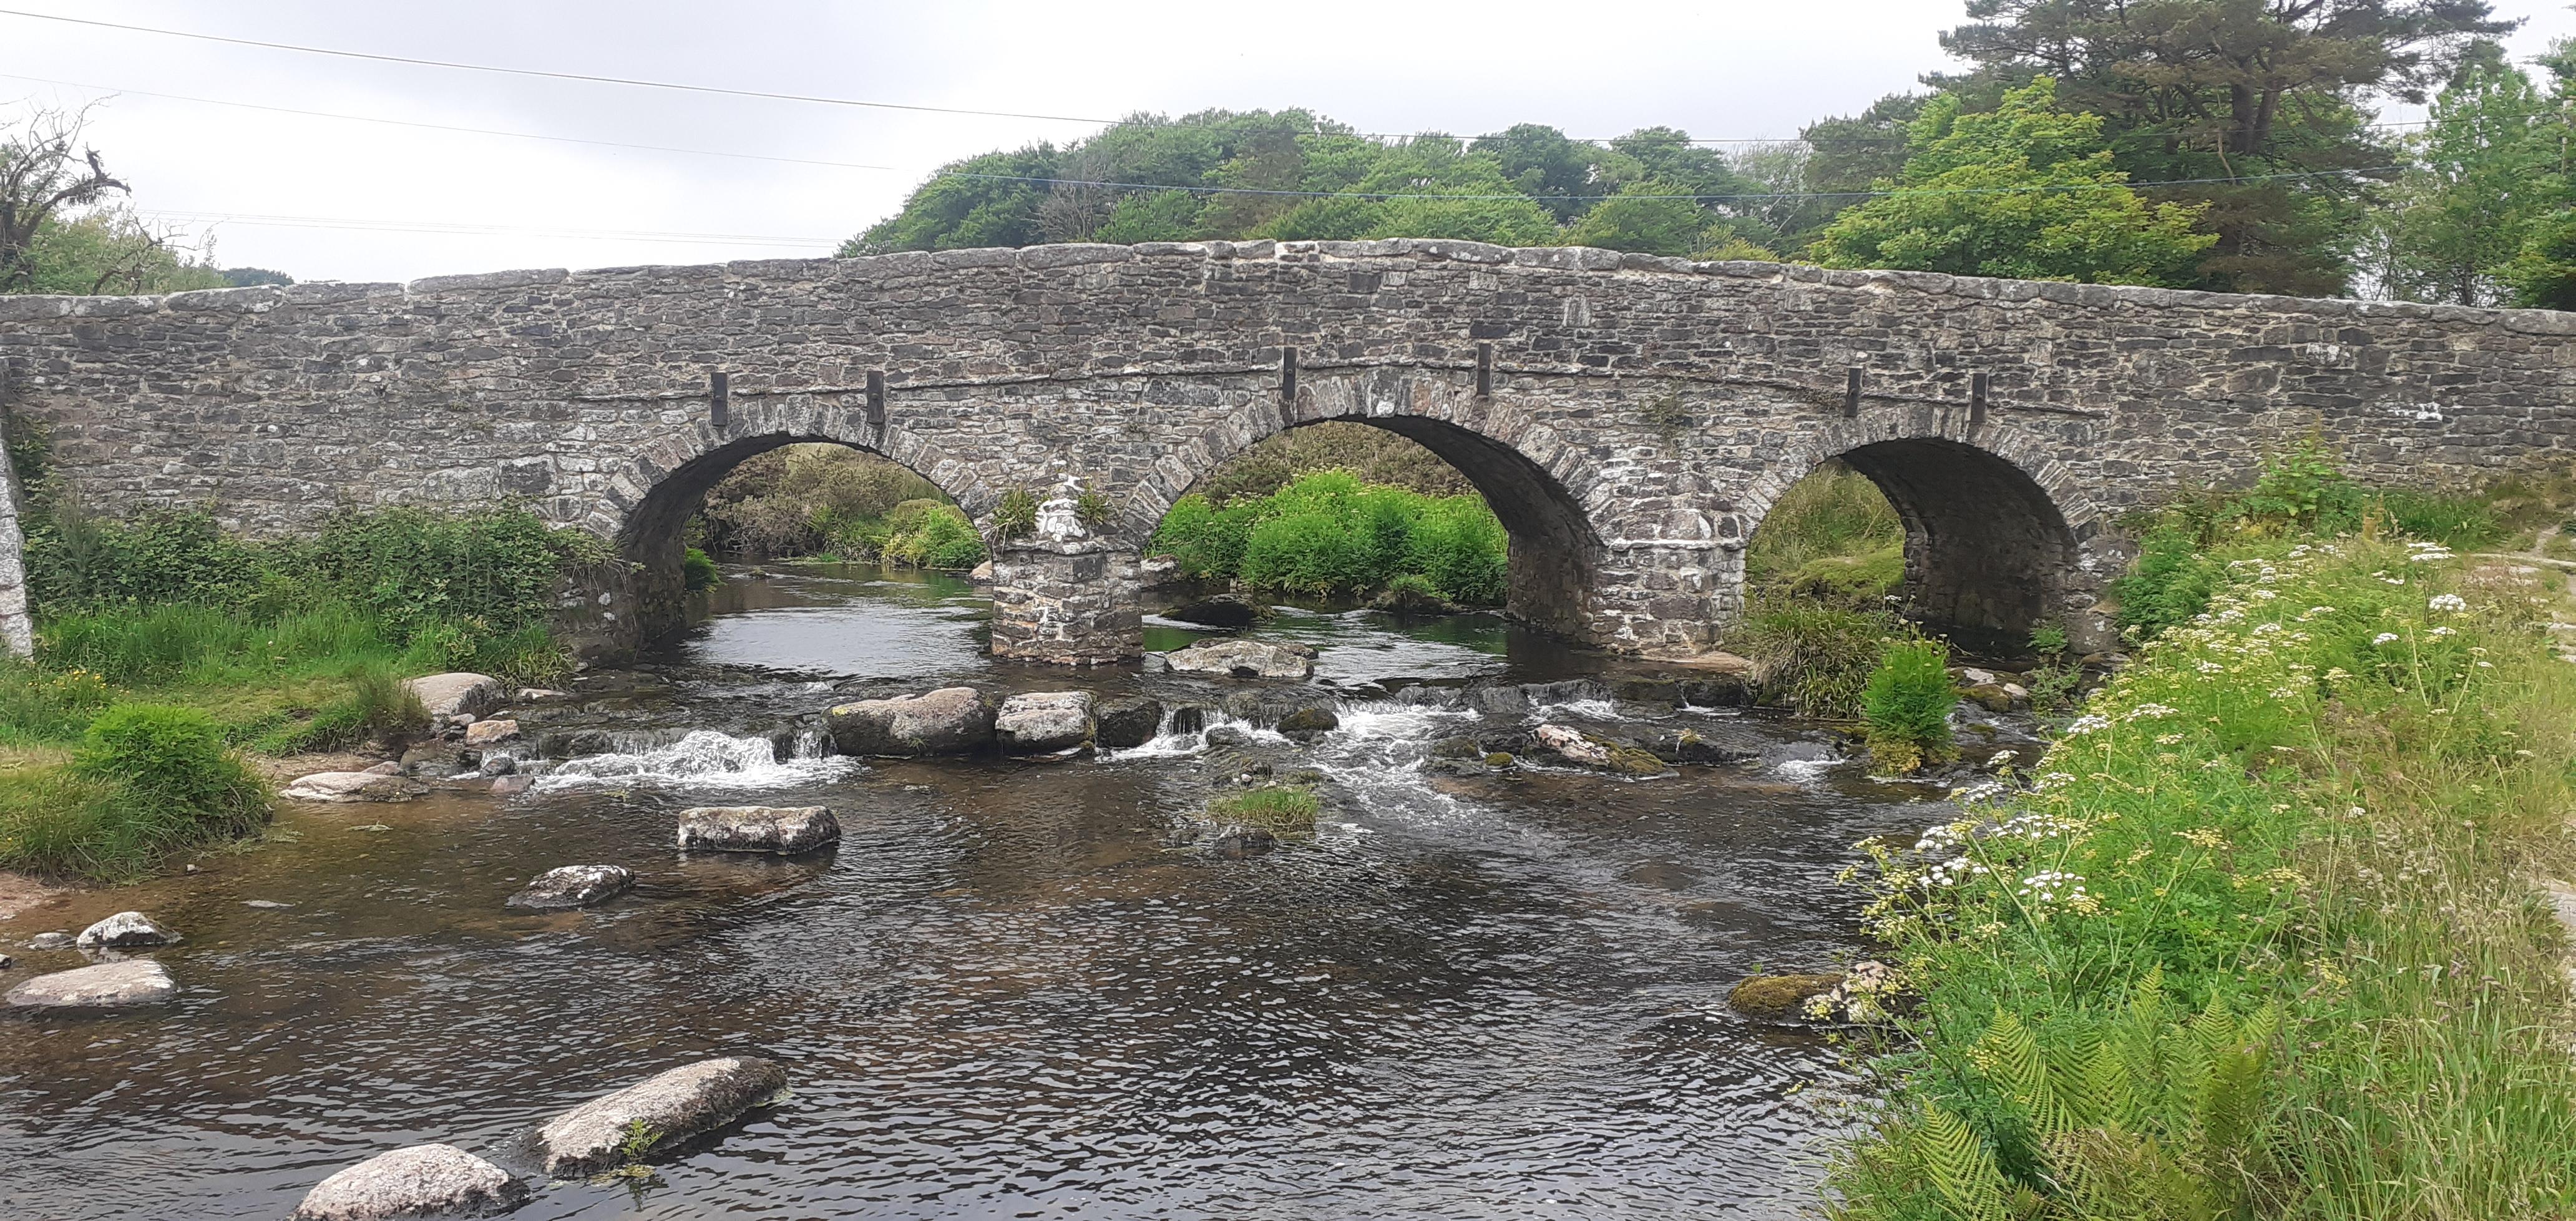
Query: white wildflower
{"x":2384,"y":638}
{"x":2448,"y":602}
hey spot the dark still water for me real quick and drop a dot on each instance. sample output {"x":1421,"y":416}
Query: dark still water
{"x":1008,"y":992}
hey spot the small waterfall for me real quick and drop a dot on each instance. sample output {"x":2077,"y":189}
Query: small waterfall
{"x":704,"y":758}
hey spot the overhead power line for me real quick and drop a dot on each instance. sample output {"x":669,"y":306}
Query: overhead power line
{"x":471,"y":229}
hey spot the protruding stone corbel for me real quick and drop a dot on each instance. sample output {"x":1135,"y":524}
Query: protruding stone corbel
{"x":1976,"y":399}
{"x":1287,"y":376}
{"x":1851,"y":396}
{"x":719,"y":398}
{"x":876,"y":398}
{"x":1484,"y":370}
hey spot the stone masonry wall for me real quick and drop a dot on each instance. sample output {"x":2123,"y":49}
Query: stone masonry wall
{"x":1635,"y":419}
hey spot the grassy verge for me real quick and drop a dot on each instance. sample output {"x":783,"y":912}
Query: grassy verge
{"x":2262,"y":938}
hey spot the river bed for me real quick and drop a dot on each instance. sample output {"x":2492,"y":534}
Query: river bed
{"x":1012,"y":990}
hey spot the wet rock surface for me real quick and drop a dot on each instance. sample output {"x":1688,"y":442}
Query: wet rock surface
{"x":1043,"y":722}
{"x":126,"y":931}
{"x":1251,"y":659}
{"x":1779,"y":998}
{"x":1126,"y":721}
{"x":782,"y":831}
{"x":112,"y":985}
{"x":1220,"y":610}
{"x":571,"y":886}
{"x":948,"y":721}
{"x":451,"y":695}
{"x":419,"y":1181}
{"x":678,"y":1104}
{"x":352,"y":786}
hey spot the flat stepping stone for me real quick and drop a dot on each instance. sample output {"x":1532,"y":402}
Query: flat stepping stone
{"x":678,"y":1104}
{"x":126,"y":931}
{"x":417,"y":1181}
{"x":112,"y":985}
{"x":782,"y":830}
{"x":572,"y":886}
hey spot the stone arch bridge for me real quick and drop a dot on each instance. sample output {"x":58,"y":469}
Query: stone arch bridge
{"x":1630,"y":418}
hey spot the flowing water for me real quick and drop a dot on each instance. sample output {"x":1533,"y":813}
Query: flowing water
{"x":1012,"y":990}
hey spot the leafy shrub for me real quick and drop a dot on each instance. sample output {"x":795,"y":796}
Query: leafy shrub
{"x":1815,"y":659}
{"x":1205,"y":541}
{"x":1016,"y":516}
{"x":931,"y":534}
{"x":2452,"y":520}
{"x":698,"y":570}
{"x":173,"y":757}
{"x":1330,"y":534}
{"x":798,"y":498}
{"x":1907,"y":705}
{"x":2048,"y":640}
{"x":146,"y":781}
{"x":2171,"y":581}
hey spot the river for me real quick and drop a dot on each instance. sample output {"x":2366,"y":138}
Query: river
{"x":1011,"y":991}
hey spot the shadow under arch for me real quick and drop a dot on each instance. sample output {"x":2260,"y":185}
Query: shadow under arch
{"x":1525,"y":473}
{"x":1989,"y":553}
{"x":651,"y":535}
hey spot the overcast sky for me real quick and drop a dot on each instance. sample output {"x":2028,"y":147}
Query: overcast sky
{"x":327,"y":198}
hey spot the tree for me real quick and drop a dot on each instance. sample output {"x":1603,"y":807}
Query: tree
{"x":1648,"y":217}
{"x":1542,"y":163}
{"x":2028,"y":192}
{"x":980,"y":201}
{"x":2248,"y":93}
{"x":2489,"y":167}
{"x":41,"y":178}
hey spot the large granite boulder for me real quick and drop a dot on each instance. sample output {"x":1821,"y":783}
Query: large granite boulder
{"x":1125,"y":721}
{"x":571,"y":886}
{"x":783,"y":830}
{"x":949,"y":721}
{"x":110,"y":985}
{"x":678,"y":1104}
{"x":353,"y":786}
{"x":1239,"y":658}
{"x":447,"y":696}
{"x":418,"y":1181}
{"x":125,"y":931}
{"x":1043,"y":722}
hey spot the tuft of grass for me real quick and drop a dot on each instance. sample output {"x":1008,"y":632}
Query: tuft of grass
{"x":1815,"y":659}
{"x":1835,"y":513}
{"x":147,"y":781}
{"x":2264,"y":938}
{"x":1278,"y":809}
{"x":1907,"y":706}
{"x":698,"y":571}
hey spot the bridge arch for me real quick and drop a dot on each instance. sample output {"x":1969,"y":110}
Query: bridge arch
{"x":1999,"y":537}
{"x":653,"y":494}
{"x":1534,"y":480}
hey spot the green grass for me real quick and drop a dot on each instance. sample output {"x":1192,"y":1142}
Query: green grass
{"x":1813,"y":658}
{"x":1328,"y":533}
{"x":146,"y":782}
{"x":2262,"y":938}
{"x":1278,"y":809}
{"x":1907,"y":705}
{"x":1831,"y":533}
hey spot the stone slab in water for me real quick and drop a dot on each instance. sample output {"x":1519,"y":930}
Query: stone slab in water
{"x":112,"y":985}
{"x":352,"y":786}
{"x":679,"y":1104}
{"x":418,"y":1181}
{"x":1221,"y":610}
{"x":784,"y":830}
{"x":949,"y":721}
{"x":1244,"y":659}
{"x":1043,"y":721}
{"x":571,"y":886}
{"x":456,"y":694}
{"x":126,"y":931}
{"x":1127,"y":720}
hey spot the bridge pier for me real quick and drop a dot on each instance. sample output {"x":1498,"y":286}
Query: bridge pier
{"x":1067,"y":602}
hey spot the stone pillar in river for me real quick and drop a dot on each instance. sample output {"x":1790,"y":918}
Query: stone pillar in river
{"x":1064,"y":597}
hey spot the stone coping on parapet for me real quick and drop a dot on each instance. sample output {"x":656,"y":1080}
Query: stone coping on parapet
{"x":906,"y":264}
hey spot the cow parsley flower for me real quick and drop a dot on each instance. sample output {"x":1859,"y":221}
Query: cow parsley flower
{"x":2384,"y":638}
{"x":2448,"y":602}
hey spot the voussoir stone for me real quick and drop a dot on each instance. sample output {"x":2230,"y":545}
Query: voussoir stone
{"x":569,"y":886}
{"x":1238,"y":658}
{"x":126,"y":931}
{"x":456,"y":694}
{"x":109,"y":985}
{"x":1040,"y":722}
{"x":783,"y":830}
{"x":678,"y":1104}
{"x":418,"y":1181}
{"x":352,"y":786}
{"x":948,"y":721}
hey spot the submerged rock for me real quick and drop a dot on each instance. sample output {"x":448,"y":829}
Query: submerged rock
{"x":1222,"y":610}
{"x":1779,"y":998}
{"x":949,"y":721}
{"x":1043,"y":722}
{"x":570,"y":886}
{"x":1309,"y":721}
{"x":1576,"y":746}
{"x":111,"y":985}
{"x":1127,"y":720}
{"x":1226,"y":735}
{"x":448,"y":696}
{"x":352,"y":786}
{"x":126,"y":931}
{"x":783,"y":830}
{"x":1244,"y":659}
{"x":1241,"y":843}
{"x":677,"y":1104}
{"x":418,"y":1181}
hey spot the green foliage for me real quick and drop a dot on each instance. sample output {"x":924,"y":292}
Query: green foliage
{"x":2048,"y":640}
{"x":1832,"y":539}
{"x":1093,"y":509}
{"x":930,"y":534}
{"x":800,"y":499}
{"x":698,"y":571}
{"x":2253,"y":944}
{"x":2029,"y":191}
{"x":1644,"y":218}
{"x":2171,"y":581}
{"x":1330,"y":534}
{"x":1907,"y":705}
{"x":2542,"y":275}
{"x":1816,"y":660}
{"x":378,"y":706}
{"x":147,"y":781}
{"x":1016,"y":516}
{"x":2451,"y":519}
{"x":2485,"y":172}
{"x":1376,"y":455}
{"x":1278,"y":809}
